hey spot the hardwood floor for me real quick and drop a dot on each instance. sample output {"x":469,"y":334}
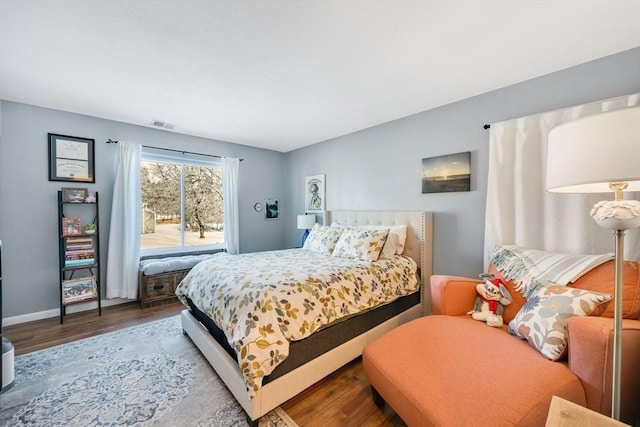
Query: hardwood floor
{"x":342,"y":399}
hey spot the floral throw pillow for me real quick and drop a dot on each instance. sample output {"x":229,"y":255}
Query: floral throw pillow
{"x":542,"y":320}
{"x":322,"y":239}
{"x":361,"y":244}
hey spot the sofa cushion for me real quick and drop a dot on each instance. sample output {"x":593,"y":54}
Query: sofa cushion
{"x":496,"y":379}
{"x":542,"y":321}
{"x":600,"y":279}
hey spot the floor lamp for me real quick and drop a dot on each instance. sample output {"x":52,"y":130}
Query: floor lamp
{"x":597,"y":154}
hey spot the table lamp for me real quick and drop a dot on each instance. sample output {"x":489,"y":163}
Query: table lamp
{"x":306,"y":222}
{"x":597,"y":154}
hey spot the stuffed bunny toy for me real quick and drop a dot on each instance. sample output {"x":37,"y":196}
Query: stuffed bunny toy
{"x":490,"y":302}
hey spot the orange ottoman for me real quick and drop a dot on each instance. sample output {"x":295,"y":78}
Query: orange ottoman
{"x":455,"y":371}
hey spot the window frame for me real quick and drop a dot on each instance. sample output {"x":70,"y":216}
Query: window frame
{"x":159,"y":155}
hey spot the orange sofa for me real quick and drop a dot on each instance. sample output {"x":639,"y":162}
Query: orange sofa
{"x":447,"y":369}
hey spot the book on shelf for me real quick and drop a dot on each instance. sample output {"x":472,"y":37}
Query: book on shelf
{"x":79,"y":240}
{"x":79,"y":262}
{"x":79,"y":251}
{"x":84,"y":255}
{"x":79,"y":248}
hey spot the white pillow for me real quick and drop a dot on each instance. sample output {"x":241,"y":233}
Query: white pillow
{"x":395,"y":240}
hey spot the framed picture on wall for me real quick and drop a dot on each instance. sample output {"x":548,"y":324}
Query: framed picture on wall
{"x":314,"y":193}
{"x":271,"y":209}
{"x":446,"y":173}
{"x":71,"y":158}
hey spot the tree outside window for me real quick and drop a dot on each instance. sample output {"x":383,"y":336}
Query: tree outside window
{"x":182,"y":205}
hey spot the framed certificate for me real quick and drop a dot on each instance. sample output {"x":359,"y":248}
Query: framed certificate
{"x":71,"y":158}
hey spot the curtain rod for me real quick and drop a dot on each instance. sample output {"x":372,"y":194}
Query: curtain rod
{"x":110,"y":141}
{"x":182,"y":151}
{"x":631,"y":96}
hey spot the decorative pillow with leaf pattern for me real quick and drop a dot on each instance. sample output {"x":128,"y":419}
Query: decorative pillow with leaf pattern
{"x":542,"y":320}
{"x":361,"y":244}
{"x":322,"y":239}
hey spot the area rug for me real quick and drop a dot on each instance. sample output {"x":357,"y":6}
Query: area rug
{"x":147,"y":375}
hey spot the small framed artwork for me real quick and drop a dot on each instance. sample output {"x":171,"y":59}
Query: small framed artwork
{"x":74,"y":195}
{"x":71,"y":226}
{"x":71,"y":158}
{"x":80,"y":289}
{"x":446,"y":173}
{"x":314,"y":193}
{"x":271,"y":209}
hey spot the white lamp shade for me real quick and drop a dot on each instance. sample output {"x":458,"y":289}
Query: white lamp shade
{"x":585,"y":155}
{"x":306,"y":222}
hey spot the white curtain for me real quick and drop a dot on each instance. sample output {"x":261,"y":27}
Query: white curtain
{"x":230,"y":167}
{"x":519,"y":210}
{"x":124,"y":235}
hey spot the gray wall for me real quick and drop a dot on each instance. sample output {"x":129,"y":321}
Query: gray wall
{"x":376,"y":168}
{"x":28,"y":203}
{"x":380,"y":167}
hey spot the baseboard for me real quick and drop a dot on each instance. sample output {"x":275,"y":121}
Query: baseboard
{"x":75,"y":308}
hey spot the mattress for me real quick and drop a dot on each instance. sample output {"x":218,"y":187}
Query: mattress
{"x":303,"y":351}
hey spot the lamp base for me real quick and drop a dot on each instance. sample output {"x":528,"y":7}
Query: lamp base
{"x":617,"y":214}
{"x":304,"y":237}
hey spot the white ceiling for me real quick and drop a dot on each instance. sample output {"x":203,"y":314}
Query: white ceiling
{"x":285,"y":74}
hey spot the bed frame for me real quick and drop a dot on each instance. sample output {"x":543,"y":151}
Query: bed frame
{"x":418,"y":246}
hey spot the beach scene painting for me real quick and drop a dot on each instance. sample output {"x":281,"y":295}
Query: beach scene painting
{"x":446,"y":173}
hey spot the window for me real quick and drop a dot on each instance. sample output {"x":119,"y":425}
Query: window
{"x":182,"y":206}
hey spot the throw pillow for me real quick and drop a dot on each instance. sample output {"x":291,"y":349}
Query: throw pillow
{"x":542,"y":321}
{"x":322,"y":239}
{"x":395,"y":239}
{"x":360,"y":244}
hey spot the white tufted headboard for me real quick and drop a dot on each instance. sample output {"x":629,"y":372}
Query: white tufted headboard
{"x":419,"y":237}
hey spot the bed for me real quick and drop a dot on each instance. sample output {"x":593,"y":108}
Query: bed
{"x":315,"y":355}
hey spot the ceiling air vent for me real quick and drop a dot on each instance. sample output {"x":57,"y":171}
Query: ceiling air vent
{"x":158,"y":123}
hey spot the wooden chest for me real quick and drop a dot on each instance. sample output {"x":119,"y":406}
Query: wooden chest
{"x":160,"y":288}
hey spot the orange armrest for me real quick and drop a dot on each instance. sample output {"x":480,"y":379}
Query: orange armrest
{"x":452,"y":295}
{"x":591,"y":356}
{"x":592,"y":334}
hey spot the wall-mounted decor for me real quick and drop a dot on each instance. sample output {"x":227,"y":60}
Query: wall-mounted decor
{"x":71,"y":158}
{"x":75,"y":195}
{"x":314,"y":193}
{"x":446,"y":173}
{"x":271,"y":209}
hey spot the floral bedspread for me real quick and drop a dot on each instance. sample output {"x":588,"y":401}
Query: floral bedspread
{"x":264,"y":300}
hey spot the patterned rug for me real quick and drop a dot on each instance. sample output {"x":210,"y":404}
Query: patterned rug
{"x":147,"y":375}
